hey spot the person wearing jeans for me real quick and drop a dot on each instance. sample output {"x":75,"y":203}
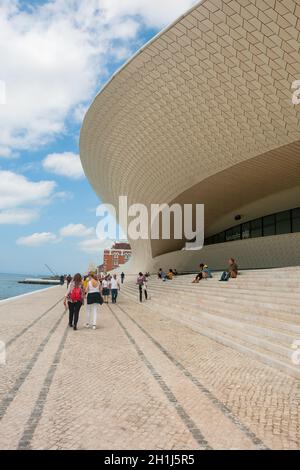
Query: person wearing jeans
{"x":114,"y":287}
{"x":74,"y":309}
{"x":231,"y":272}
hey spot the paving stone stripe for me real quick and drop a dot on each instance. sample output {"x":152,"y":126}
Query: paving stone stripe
{"x":8,"y":399}
{"x":38,"y":409}
{"x":190,"y":424}
{"x":16,"y":337}
{"x":225,"y":410}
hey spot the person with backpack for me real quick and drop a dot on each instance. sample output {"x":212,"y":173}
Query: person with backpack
{"x":74,"y":299}
{"x":94,"y":299}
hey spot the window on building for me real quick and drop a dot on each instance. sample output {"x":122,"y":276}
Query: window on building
{"x":269,"y":225}
{"x":220,"y":238}
{"x":256,"y":228}
{"x":275,"y":224}
{"x":246,"y":233}
{"x":283,"y":222}
{"x":233,"y":234}
{"x":296,"y":220}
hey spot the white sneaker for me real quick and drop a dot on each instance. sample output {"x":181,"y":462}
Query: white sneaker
{"x":87,"y":325}
{"x":94,"y":328}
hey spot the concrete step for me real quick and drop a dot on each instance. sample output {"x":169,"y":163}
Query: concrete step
{"x":282,"y":321}
{"x":229,"y":289}
{"x":275,"y":355}
{"x":247,"y":301}
{"x":291,"y":285}
{"x":236,"y":283}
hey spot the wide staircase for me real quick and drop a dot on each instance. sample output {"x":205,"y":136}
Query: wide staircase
{"x":258,"y":313}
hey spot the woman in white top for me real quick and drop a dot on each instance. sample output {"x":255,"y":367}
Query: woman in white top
{"x":93,"y":300}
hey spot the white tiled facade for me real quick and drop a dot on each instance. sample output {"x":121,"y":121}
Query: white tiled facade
{"x":212,"y":91}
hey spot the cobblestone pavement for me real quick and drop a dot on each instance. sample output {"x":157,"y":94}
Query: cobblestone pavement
{"x":140,"y":381}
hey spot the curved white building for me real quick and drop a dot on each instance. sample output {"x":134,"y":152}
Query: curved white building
{"x":204,"y":114}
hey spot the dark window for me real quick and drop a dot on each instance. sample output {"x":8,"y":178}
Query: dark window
{"x":275,"y":224}
{"x":233,"y":234}
{"x":220,"y":238}
{"x":256,"y":228}
{"x":246,"y":230}
{"x":283,"y":222}
{"x":269,"y":225}
{"x":296,"y":220}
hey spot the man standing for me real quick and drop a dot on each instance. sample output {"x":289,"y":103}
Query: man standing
{"x":115,"y":287}
{"x":122,"y":278}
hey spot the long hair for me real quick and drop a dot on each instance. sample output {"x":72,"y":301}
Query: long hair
{"x":77,"y":279}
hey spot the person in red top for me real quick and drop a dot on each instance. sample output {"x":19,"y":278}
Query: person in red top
{"x":74,"y":298}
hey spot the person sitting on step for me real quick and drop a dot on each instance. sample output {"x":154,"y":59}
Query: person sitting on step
{"x":231,"y":272}
{"x":203,"y":274}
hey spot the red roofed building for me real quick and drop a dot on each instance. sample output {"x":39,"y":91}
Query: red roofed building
{"x":118,"y":255}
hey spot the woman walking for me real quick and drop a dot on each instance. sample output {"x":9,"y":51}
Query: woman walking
{"x":93,"y":300}
{"x":105,"y":289}
{"x":74,"y":298}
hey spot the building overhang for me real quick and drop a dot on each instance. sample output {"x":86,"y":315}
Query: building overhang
{"x":202,"y":113}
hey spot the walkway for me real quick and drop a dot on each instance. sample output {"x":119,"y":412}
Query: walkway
{"x":141,"y":381}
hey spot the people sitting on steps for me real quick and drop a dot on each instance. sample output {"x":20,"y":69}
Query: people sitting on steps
{"x":170,"y":274}
{"x":204,"y":273}
{"x":231,"y":272}
{"x":162,"y":275}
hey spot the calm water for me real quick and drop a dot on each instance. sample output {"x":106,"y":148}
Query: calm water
{"x":9,"y":286}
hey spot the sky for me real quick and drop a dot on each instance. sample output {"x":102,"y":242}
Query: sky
{"x":55,"y":56}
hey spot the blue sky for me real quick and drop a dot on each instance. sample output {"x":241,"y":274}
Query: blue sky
{"x":55,"y":57}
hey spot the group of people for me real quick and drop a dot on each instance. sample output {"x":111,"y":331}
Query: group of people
{"x":230,"y":273}
{"x":96,"y":290}
{"x":167,"y":276}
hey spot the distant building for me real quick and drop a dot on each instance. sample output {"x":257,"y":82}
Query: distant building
{"x":118,"y":255}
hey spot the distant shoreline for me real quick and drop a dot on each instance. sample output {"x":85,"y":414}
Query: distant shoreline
{"x":17,"y":297}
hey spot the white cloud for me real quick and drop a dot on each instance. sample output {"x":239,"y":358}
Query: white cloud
{"x":17,"y":217}
{"x":21,"y":199}
{"x":55,"y":55}
{"x":38,"y":239}
{"x":76,"y":230}
{"x":156,"y":13}
{"x":17,"y":191}
{"x":64,"y":164}
{"x":95,"y":245}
